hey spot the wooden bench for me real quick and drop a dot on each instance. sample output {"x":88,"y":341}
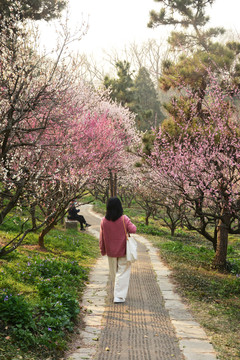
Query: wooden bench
{"x":71,"y":224}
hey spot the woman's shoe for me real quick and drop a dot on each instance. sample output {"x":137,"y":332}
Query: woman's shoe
{"x":118,"y":300}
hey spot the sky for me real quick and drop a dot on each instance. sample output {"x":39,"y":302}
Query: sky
{"x":114,"y":24}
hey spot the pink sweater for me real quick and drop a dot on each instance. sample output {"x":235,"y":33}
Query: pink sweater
{"x":112,"y":240}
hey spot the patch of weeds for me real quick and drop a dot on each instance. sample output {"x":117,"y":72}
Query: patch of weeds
{"x":233,"y":264}
{"x":181,"y":253}
{"x":99,"y":207}
{"x":73,"y":245}
{"x":151,"y":230}
{"x":14,"y":309}
{"x":13,"y":223}
{"x":135,"y":212}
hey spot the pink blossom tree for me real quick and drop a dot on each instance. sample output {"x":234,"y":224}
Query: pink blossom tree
{"x":76,"y":148}
{"x":123,"y":122}
{"x":57,"y":134}
{"x":201,"y":164}
{"x":92,"y":146}
{"x":31,"y":87}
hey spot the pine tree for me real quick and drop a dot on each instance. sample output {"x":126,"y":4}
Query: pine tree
{"x":33,"y":9}
{"x":197,"y":53}
{"x":196,"y":44}
{"x":148,"y":106}
{"x":122,"y":86}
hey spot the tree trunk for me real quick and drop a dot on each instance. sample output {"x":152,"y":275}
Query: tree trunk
{"x":220,"y":259}
{"x":44,"y":232}
{"x":12,"y":203}
{"x":172,"y":227}
{"x":148,"y":214}
{"x":33,"y":216}
{"x":112,"y":184}
{"x":115,"y":185}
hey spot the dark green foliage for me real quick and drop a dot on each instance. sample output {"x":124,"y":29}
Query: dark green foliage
{"x":182,"y":12}
{"x":138,"y":94}
{"x":148,"y":141}
{"x":122,"y":86}
{"x":57,"y":284}
{"x":33,"y":9}
{"x":15,"y":310}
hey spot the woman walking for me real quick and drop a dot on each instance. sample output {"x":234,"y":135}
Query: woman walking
{"x":112,"y":243}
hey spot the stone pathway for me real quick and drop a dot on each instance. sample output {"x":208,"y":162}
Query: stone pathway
{"x":153,"y":323}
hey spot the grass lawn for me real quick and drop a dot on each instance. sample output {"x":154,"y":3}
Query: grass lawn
{"x":40,"y":292}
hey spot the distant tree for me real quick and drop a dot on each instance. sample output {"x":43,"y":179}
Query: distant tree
{"x":122,"y":86}
{"x":32,"y":9}
{"x":148,"y":54}
{"x":147,"y":105}
{"x":138,"y":94}
{"x":148,"y":139}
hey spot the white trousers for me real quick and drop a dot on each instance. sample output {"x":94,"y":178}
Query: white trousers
{"x":119,"y":270}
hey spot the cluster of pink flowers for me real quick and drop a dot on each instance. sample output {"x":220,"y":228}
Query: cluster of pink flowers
{"x":57,"y":133}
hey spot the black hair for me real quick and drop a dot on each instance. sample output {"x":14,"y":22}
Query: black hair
{"x":114,"y":209}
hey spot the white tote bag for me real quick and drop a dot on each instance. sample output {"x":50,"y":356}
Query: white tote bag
{"x":131,"y":246}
